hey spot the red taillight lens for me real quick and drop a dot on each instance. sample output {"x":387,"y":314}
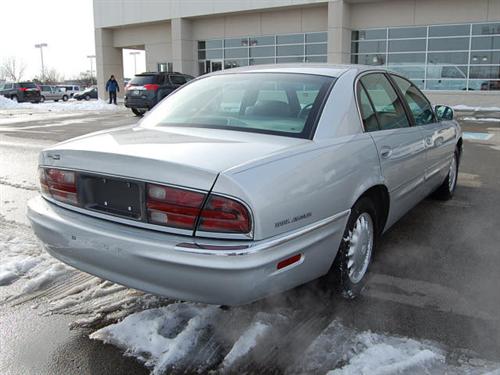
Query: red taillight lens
{"x":151,"y":86}
{"x":224,"y":215}
{"x":172,"y":207}
{"x":59,"y":184}
{"x":128,"y":86}
{"x":23,"y":89}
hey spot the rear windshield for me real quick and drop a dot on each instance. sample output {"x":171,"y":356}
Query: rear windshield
{"x":274,"y":103}
{"x":27,"y":85}
{"x":144,"y":80}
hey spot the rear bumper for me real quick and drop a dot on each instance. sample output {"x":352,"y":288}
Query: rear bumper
{"x":182,"y":267}
{"x":139,"y":102}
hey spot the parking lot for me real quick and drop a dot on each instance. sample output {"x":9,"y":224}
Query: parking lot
{"x":432,"y":294}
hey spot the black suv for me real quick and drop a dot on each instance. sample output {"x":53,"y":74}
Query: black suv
{"x":21,"y":92}
{"x":147,"y":89}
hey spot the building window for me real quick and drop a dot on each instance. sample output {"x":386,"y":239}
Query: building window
{"x":229,"y":53}
{"x":165,"y":67}
{"x":435,"y":57}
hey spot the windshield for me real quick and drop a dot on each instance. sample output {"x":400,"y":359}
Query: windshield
{"x":276,"y":103}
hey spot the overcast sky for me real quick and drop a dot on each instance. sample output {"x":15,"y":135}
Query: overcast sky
{"x":67,"y":26}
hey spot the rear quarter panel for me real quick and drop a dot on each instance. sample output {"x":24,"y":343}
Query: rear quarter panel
{"x":304,"y":185}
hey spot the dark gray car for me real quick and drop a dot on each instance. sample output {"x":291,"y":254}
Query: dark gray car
{"x":21,"y":92}
{"x":145,"y":90}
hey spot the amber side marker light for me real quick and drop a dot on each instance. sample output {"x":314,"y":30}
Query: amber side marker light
{"x":289,"y":261}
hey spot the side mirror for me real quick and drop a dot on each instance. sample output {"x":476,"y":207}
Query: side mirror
{"x":443,"y":112}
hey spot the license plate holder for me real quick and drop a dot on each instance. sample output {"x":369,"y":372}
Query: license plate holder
{"x":112,"y":196}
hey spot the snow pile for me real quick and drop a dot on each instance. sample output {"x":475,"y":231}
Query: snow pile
{"x":246,"y":342}
{"x":22,"y":259}
{"x":340,"y":350}
{"x":70,"y":106}
{"x":463,"y":107}
{"x":160,"y":337}
{"x":486,"y":119}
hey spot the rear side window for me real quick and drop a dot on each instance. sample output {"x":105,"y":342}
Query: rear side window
{"x":370,"y":121}
{"x":144,"y":80}
{"x":178,"y":80}
{"x":386,"y":103}
{"x":420,"y":107}
{"x":27,"y":85}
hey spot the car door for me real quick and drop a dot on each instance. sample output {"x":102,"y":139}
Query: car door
{"x":439,"y":136}
{"x":399,"y":145}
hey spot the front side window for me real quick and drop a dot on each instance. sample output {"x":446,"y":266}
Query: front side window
{"x":272,"y":103}
{"x":387,"y":105}
{"x":420,"y":107}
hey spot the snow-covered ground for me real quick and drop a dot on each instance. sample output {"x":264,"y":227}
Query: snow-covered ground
{"x":481,"y":119}
{"x":463,"y":107}
{"x":69,"y":106}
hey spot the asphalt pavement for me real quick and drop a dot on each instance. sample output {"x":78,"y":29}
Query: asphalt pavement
{"x":436,"y":274}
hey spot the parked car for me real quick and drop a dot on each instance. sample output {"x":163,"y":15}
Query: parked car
{"x":87,"y":94}
{"x":21,"y":92}
{"x":70,"y":90}
{"x":145,"y":90}
{"x":52,"y":93}
{"x":248,"y":182}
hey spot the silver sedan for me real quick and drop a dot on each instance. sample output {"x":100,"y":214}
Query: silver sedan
{"x":248,"y":182}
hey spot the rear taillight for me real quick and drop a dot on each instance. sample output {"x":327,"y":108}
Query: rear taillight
{"x":224,"y":215}
{"x":23,"y":89}
{"x":151,"y":86}
{"x":128,"y":86}
{"x":59,"y":185}
{"x":173,"y":207}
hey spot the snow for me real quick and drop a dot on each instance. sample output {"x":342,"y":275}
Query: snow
{"x":247,"y":341}
{"x":22,"y":259}
{"x":463,"y":107}
{"x":160,"y":337}
{"x":69,"y":106}
{"x":485,"y":119}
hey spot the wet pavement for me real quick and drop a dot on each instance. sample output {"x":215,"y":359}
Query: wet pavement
{"x":435,"y":275}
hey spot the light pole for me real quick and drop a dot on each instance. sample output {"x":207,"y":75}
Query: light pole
{"x":41,"y":45}
{"x":91,"y":68}
{"x":135,"y":62}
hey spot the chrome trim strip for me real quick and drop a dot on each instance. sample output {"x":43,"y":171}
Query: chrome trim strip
{"x":262,"y":245}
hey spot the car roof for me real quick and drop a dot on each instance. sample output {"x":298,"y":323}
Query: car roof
{"x":332,"y":70}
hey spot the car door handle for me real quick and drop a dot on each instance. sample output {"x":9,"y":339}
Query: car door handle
{"x":385,"y":152}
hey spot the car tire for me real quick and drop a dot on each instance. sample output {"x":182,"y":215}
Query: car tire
{"x":356,"y":250}
{"x":56,"y":100}
{"x":65,"y":98}
{"x":14,"y":98}
{"x":138,"y":112}
{"x":447,"y":189}
{"x":42,"y":98}
{"x":87,"y":97}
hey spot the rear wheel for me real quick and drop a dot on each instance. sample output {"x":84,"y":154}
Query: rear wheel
{"x":356,"y":249}
{"x":87,"y":97}
{"x":447,"y":188}
{"x":138,"y":111}
{"x":14,"y":98}
{"x":42,"y":98}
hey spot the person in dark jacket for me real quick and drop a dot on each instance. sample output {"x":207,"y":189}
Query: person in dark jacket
{"x":112,"y":88}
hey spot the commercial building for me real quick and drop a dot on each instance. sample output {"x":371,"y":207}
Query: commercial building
{"x":449,"y":48}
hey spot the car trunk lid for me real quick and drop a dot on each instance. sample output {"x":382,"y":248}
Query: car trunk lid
{"x":182,"y":156}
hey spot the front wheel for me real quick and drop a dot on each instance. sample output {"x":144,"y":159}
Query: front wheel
{"x":65,"y":98}
{"x":356,"y":249}
{"x":138,"y":111}
{"x":87,"y":97}
{"x":447,"y":188}
{"x":42,"y":98}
